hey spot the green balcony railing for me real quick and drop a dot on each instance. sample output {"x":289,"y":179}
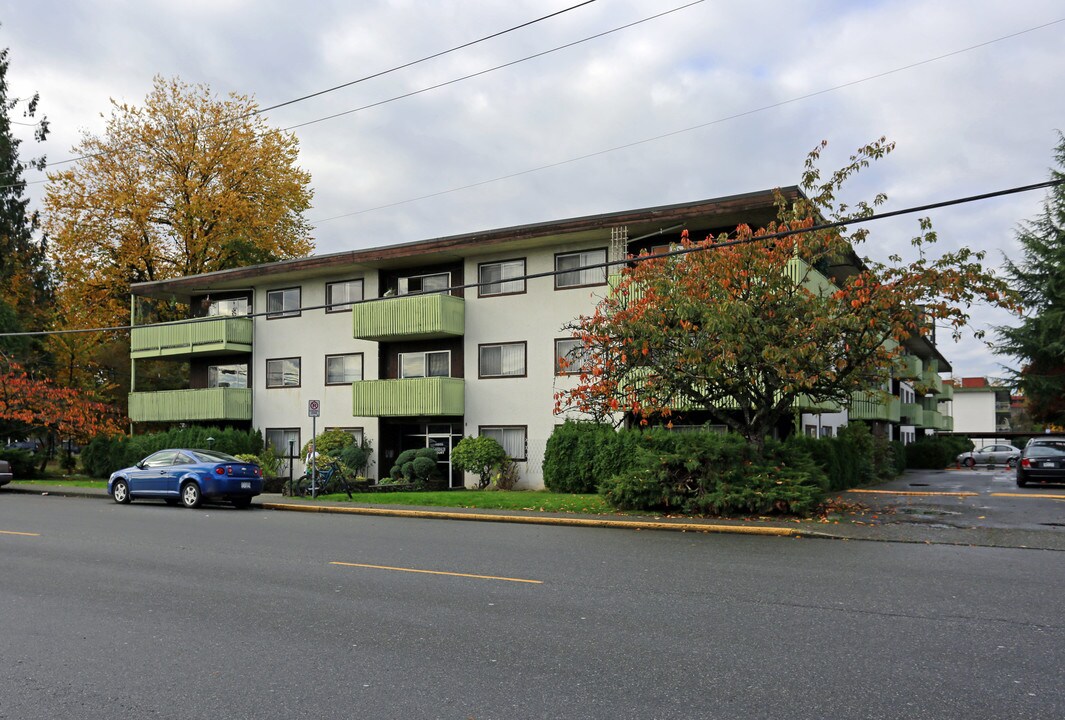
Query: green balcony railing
{"x":933,"y":419}
{"x":948,"y":424}
{"x":813,"y":280}
{"x":931,"y":382}
{"x":216,"y":336}
{"x":874,"y":406}
{"x":912,"y":414}
{"x":410,"y":317}
{"x":907,"y":367}
{"x":948,"y":391}
{"x":409,"y":397}
{"x":187,"y":405}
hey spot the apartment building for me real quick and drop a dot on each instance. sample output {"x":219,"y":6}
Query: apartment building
{"x":421,"y":344}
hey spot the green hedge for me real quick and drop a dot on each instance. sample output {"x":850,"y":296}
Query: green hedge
{"x":936,"y":453}
{"x":103,"y":455}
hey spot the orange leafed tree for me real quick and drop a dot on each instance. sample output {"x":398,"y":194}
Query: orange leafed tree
{"x":44,"y":409}
{"x":744,"y":327}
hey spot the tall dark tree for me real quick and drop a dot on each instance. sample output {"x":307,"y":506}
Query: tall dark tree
{"x":25,"y":273}
{"x":1039,"y":276}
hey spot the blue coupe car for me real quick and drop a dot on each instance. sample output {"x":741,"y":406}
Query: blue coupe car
{"x":188,"y":477}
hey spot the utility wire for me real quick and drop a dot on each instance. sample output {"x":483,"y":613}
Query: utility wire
{"x":399,"y":67}
{"x":700,"y":126}
{"x":493,"y":69}
{"x":381,"y":73}
{"x":595,"y":266}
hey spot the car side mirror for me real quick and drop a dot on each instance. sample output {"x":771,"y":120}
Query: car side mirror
{"x":140,"y":466}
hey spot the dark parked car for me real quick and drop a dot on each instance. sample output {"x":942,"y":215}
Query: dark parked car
{"x":1042,"y":461}
{"x":31,"y":446}
{"x":188,"y":477}
{"x":990,"y":454}
{"x":5,"y":472}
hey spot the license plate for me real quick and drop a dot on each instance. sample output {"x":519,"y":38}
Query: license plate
{"x":245,"y":485}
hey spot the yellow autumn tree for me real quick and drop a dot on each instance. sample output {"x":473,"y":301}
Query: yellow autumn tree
{"x":187,"y":183}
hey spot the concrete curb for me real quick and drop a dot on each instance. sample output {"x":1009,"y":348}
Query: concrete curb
{"x":552,"y":520}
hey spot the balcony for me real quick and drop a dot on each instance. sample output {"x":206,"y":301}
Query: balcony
{"x":409,"y":317}
{"x":187,"y":405}
{"x":948,"y":391}
{"x":802,"y":272}
{"x":1002,"y":407}
{"x":912,"y":414}
{"x":907,"y":367}
{"x":931,"y":382}
{"x":411,"y":397}
{"x":216,"y":336}
{"x":933,"y":419}
{"x":874,"y":406}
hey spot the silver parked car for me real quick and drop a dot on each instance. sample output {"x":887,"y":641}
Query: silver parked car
{"x":991,"y":455}
{"x":5,"y":472}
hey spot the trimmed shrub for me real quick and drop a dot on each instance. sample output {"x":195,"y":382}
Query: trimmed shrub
{"x":936,"y":453}
{"x":417,"y":467}
{"x":574,"y":461}
{"x":330,"y":443}
{"x":357,"y":457}
{"x":479,"y":455}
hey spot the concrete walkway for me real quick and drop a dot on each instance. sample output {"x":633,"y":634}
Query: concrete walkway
{"x":891,"y":512}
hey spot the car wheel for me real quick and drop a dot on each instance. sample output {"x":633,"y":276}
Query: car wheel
{"x":970,"y":462}
{"x":190,"y":494}
{"x":241,"y":502}
{"x":1021,"y":482}
{"x":120,"y":492}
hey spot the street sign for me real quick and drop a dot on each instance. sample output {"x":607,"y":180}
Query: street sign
{"x":314,"y":408}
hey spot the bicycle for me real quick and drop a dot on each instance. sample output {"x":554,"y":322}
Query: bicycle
{"x":331,"y":479}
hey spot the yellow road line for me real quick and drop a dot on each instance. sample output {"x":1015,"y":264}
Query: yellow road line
{"x":12,"y":532}
{"x":919,"y":493}
{"x":437,"y":572}
{"x":1028,"y":495}
{"x":537,"y":520}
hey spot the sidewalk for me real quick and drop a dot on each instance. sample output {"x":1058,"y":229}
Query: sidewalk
{"x":869,"y":516}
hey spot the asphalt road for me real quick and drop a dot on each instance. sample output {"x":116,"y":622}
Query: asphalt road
{"x":140,"y":611}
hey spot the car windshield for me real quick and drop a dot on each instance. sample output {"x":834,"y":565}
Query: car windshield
{"x":1058,"y":446}
{"x":208,"y":456}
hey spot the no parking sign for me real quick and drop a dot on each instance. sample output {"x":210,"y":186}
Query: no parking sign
{"x":314,"y":408}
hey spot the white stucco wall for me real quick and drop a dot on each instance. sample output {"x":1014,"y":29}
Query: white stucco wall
{"x":974,"y":411}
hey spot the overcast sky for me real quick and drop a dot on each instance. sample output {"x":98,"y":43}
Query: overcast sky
{"x":765,"y":79}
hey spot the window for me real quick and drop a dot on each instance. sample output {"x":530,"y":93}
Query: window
{"x":569,"y":273}
{"x":161,"y":458}
{"x":283,"y":372}
{"x":340,"y":295}
{"x":501,"y":360}
{"x":499,"y":278}
{"x":511,"y":437}
{"x":355,"y":432}
{"x":284,"y":441}
{"x":227,"y":376}
{"x":436,"y":282}
{"x":343,"y":369}
{"x":425,"y":364}
{"x":228,"y":307}
{"x":826,"y":431}
{"x":572,"y":351}
{"x":283,"y":303}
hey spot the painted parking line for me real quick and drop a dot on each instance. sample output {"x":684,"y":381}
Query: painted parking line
{"x":24,"y":534}
{"x":1028,"y":495}
{"x":917,"y":493}
{"x":437,"y":572}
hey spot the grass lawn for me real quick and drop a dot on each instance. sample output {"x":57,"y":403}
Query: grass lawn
{"x":65,"y":482}
{"x":538,"y":500}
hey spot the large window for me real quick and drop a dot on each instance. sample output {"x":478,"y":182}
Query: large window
{"x":501,"y":278}
{"x":436,"y":282}
{"x":227,"y":376}
{"x":355,"y":432}
{"x":569,"y":273}
{"x":228,"y":307}
{"x":283,"y":303}
{"x":340,"y":295}
{"x":503,"y":360}
{"x":425,"y":364}
{"x":343,"y":369}
{"x":570,"y":356}
{"x":283,"y":372}
{"x":511,"y":437}
{"x":284,"y":441}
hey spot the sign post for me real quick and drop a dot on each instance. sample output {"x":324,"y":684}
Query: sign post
{"x":314,"y":409}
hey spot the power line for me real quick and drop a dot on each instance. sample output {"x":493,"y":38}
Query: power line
{"x":604,"y":265}
{"x":700,"y":126}
{"x":493,"y":69}
{"x":372,"y":76}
